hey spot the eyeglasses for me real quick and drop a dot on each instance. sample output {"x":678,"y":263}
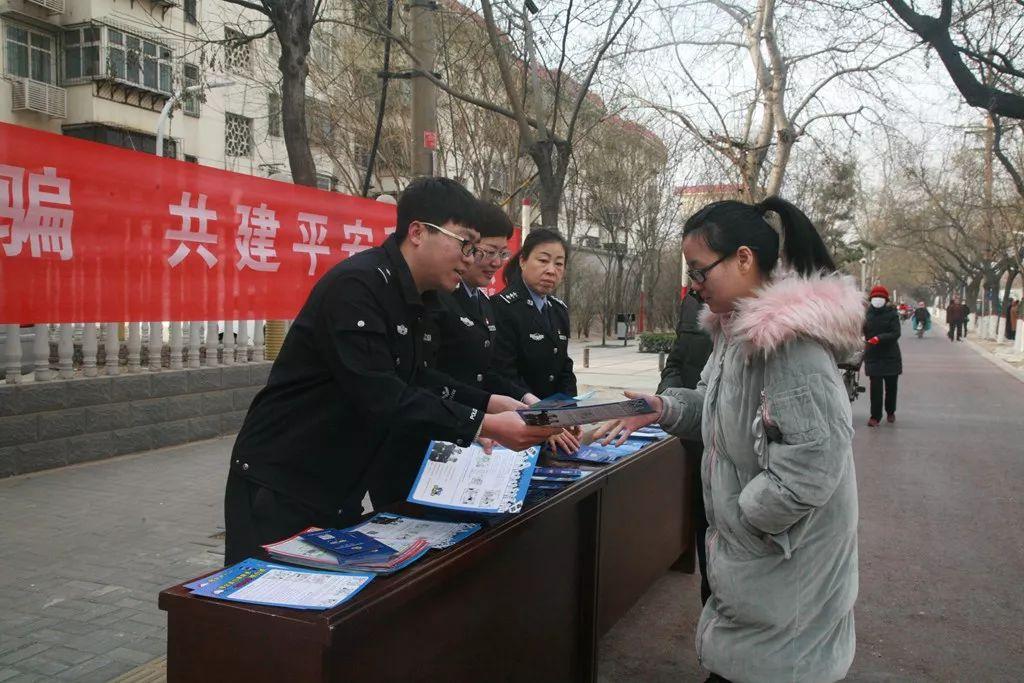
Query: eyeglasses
{"x":488,"y":255}
{"x":468,"y":248}
{"x":699,"y":275}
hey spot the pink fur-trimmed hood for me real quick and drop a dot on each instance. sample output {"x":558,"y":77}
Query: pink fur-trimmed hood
{"x":826,"y":308}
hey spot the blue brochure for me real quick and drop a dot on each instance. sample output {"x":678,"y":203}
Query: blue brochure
{"x":278,"y":585}
{"x":349,"y":545}
{"x":595,"y":453}
{"x":469,"y":480}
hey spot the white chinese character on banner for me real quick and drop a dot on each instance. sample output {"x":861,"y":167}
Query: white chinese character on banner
{"x":388,"y":232}
{"x":255,"y":242}
{"x":12,"y":200}
{"x":202,"y":215}
{"x":44,"y":225}
{"x":314,"y":232}
{"x":355,"y":233}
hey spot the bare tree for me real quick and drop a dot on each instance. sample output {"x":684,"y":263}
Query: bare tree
{"x":292,"y":21}
{"x":780,"y":62}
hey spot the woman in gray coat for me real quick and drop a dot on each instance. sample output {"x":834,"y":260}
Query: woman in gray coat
{"x":779,"y":484}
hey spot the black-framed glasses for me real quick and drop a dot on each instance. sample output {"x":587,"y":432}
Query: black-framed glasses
{"x":699,"y":275}
{"x":489,"y":255}
{"x":468,"y":248}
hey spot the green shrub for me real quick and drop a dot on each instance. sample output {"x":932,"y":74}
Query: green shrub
{"x":653,"y":342}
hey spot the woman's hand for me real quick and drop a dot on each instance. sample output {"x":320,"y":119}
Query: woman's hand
{"x":626,"y":426}
{"x":567,"y":442}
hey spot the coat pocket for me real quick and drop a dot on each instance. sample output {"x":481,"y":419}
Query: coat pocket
{"x":795,"y":416}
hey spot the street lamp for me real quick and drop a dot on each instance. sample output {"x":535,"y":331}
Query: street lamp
{"x":165,"y":113}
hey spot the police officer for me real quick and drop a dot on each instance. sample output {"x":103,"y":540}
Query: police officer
{"x":465,"y":323}
{"x":533,"y":325}
{"x":351,"y":371}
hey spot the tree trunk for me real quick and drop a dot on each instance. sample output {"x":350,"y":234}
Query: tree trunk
{"x":293,"y":31}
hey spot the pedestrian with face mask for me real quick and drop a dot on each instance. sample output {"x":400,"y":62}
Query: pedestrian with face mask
{"x":883,"y":362}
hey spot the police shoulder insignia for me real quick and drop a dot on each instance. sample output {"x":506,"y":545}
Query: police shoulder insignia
{"x":557,"y":301}
{"x":509,"y":297}
{"x":537,"y":336}
{"x":402,"y":330}
{"x":466,"y":321}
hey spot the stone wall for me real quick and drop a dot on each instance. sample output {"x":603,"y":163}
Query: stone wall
{"x":51,"y":424}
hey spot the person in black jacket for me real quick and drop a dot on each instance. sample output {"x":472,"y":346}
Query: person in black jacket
{"x":883,"y":363}
{"x":682,"y":369}
{"x":464,"y":319}
{"x":533,"y":325}
{"x":351,"y":372}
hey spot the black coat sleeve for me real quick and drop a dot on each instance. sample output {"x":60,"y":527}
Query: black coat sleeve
{"x":351,"y":333}
{"x":452,"y":389}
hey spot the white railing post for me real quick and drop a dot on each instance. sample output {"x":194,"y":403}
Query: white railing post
{"x":134,"y":347}
{"x":113,"y":348}
{"x":1018,"y":343}
{"x":242,"y":347}
{"x":259,"y":344}
{"x":175,"y":345}
{"x":66,"y":351}
{"x":12,"y":354}
{"x":41,"y":351}
{"x":90,"y":348}
{"x":211,"y":343}
{"x":194,"y":341}
{"x":156,"y":346}
{"x":229,"y":342}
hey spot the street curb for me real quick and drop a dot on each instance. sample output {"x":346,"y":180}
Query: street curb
{"x":998,"y":362}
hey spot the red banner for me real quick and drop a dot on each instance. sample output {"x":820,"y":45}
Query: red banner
{"x":94,"y":233}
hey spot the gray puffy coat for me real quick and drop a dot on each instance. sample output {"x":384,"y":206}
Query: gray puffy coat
{"x":779,"y":483}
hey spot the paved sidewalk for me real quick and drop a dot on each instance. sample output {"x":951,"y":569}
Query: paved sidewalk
{"x":86,"y":549}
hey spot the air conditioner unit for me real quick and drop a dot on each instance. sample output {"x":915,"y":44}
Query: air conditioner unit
{"x":29,"y":95}
{"x":54,"y":6}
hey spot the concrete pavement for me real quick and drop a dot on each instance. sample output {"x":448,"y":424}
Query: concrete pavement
{"x":86,"y":549}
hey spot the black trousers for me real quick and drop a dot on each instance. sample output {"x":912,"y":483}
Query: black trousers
{"x":889,"y":382}
{"x":255,"y":515}
{"x":958,"y":328}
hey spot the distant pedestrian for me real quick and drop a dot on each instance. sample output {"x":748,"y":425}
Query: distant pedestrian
{"x":922,"y":319}
{"x":956,"y":319}
{"x":1011,"y":319}
{"x":883,"y":362}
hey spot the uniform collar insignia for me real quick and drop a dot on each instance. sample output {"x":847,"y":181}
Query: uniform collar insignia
{"x":402,"y":330}
{"x":466,"y":321}
{"x":536,"y":336}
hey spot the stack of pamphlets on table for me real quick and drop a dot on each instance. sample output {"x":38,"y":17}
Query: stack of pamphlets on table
{"x":597,"y":454}
{"x":277,"y":585}
{"x":556,"y":478}
{"x":649,"y":433}
{"x":384,"y":544}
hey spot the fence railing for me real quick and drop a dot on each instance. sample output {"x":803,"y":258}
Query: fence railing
{"x":41,"y":353}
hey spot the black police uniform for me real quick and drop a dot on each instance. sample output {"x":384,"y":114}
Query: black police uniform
{"x":533,"y":346}
{"x":351,"y":372}
{"x":460,"y":342}
{"x":466,"y":330}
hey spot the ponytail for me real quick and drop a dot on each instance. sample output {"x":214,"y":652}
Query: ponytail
{"x":728,"y":225}
{"x":803,"y":247}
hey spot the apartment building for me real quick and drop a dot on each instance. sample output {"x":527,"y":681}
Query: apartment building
{"x":102,"y":70}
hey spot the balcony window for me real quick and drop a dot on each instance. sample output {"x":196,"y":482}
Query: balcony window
{"x":104,"y":51}
{"x":30,"y":54}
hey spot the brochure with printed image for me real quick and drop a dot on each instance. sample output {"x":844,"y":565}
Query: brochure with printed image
{"x":469,"y":480}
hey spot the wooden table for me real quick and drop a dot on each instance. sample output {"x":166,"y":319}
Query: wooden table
{"x":525,"y":599}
